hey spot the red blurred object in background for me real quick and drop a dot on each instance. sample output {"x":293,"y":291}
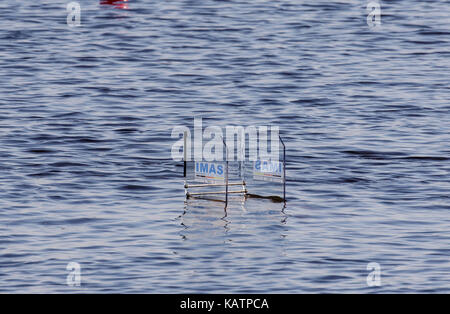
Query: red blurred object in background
{"x":118,"y":4}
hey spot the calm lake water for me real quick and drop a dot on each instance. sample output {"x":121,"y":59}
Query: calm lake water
{"x":86,"y":174}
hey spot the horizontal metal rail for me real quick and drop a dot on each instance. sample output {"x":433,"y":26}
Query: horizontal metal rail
{"x":212,"y":184}
{"x":219,"y":192}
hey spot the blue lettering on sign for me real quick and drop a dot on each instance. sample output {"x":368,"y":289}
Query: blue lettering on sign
{"x":274,"y":167}
{"x":203,"y":168}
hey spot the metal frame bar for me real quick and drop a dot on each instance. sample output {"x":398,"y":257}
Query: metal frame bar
{"x":226,"y":173}
{"x":185,"y":154}
{"x":218,"y":192}
{"x":213,"y":184}
{"x":284,"y":168}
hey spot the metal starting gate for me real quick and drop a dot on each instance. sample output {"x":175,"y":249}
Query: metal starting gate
{"x":204,"y":179}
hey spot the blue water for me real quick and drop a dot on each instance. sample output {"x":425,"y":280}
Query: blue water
{"x":86,"y":116}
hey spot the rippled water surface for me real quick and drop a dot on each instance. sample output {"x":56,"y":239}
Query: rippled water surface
{"x":86,"y":116}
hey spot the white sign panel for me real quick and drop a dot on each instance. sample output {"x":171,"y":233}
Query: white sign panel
{"x":268,"y":171}
{"x":209,"y":171}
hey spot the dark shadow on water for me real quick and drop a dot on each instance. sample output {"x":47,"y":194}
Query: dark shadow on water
{"x":273,"y":198}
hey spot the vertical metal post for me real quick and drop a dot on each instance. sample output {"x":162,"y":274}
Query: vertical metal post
{"x":284,"y":168}
{"x":226,"y":184}
{"x":185,"y":154}
{"x":185,"y":162}
{"x":226,"y":172}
